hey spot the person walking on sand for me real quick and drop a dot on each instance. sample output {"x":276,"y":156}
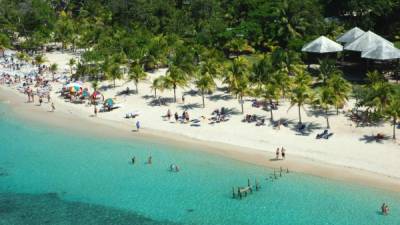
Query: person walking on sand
{"x":137,"y":125}
{"x":277,"y":153}
{"x":283,"y":152}
{"x":53,"y":108}
{"x":40,"y":101}
{"x":95,"y":110}
{"x":176,"y":117}
{"x":169,"y":114}
{"x":48,"y":98}
{"x":183,"y":99}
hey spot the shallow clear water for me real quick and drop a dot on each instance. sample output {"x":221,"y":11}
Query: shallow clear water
{"x":51,"y":177}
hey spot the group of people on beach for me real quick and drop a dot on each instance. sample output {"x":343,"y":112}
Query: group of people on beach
{"x":185,"y":116}
{"x":281,"y":152}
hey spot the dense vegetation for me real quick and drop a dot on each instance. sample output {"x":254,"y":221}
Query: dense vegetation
{"x":252,"y":45}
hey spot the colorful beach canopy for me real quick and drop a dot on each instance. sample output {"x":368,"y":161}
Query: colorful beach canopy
{"x":73,"y":85}
{"x":350,"y":35}
{"x":366,"y":41}
{"x":322,"y":45}
{"x":109,"y":102}
{"x":382,"y":51}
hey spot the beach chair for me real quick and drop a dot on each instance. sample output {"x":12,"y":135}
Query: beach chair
{"x":322,"y":135}
{"x":261,"y":123}
{"x":328,"y":136}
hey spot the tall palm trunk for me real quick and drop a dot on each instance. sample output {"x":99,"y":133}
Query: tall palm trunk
{"x":299,"y":106}
{"x":272,"y":114}
{"x":241,"y":102}
{"x":327,"y":118}
{"x":155,"y":93}
{"x":202,"y":96}
{"x":394,"y":128}
{"x":175,"y":93}
{"x":136,"y":86}
{"x":114,"y":82}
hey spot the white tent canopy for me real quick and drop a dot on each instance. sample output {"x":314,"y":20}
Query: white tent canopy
{"x":322,"y":45}
{"x":366,"y":41}
{"x":382,"y":51}
{"x":350,"y":35}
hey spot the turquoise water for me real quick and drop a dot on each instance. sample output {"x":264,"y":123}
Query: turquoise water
{"x":51,"y":177}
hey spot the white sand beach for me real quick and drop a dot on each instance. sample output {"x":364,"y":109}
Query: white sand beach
{"x":350,"y":147}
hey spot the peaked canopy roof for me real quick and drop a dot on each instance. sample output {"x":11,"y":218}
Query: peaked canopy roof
{"x":350,"y":35}
{"x":322,"y":45}
{"x":366,"y":41}
{"x":382,"y":51}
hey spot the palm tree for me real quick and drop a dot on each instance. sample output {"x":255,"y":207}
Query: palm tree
{"x":392,"y":110}
{"x":326,"y":98}
{"x":71,"y":63}
{"x":271,"y":92}
{"x":114,"y":72}
{"x":205,"y":78}
{"x":205,"y":83}
{"x":39,"y":60}
{"x":137,"y":74}
{"x":341,"y":89}
{"x":175,"y":78}
{"x":158,"y":84}
{"x":53,"y":69}
{"x":301,"y":92}
{"x":262,"y":71}
{"x":238,"y":78}
{"x":22,"y":56}
{"x":327,"y":69}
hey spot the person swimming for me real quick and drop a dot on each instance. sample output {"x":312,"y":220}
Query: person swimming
{"x":133,"y":159}
{"x":384,"y":209}
{"x":149,"y":160}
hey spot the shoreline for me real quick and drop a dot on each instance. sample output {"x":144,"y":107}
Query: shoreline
{"x":65,"y":120}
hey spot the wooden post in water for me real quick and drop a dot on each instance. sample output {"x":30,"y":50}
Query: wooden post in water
{"x":248,"y":182}
{"x":257,"y":185}
{"x":233,"y":192}
{"x":287,"y":170}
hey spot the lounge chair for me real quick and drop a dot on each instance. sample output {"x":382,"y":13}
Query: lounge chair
{"x":322,"y":135}
{"x":301,"y":128}
{"x":328,"y":135}
{"x":261,"y":122}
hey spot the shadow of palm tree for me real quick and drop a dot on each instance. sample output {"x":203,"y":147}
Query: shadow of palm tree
{"x":125,"y":92}
{"x":309,"y":128}
{"x":105,"y":87}
{"x":218,"y":97}
{"x":223,"y":89}
{"x":190,"y":106}
{"x":373,"y":138}
{"x":147,"y":97}
{"x":319,"y":112}
{"x":191,"y":93}
{"x":232,"y":111}
{"x":164,"y":101}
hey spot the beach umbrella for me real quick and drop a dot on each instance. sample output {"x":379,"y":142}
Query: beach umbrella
{"x":350,"y":35}
{"x":322,"y":45}
{"x":366,"y":41}
{"x":109,"y":102}
{"x":382,"y":51}
{"x":73,"y":85}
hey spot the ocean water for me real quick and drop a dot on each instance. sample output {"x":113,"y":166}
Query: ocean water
{"x":52,"y":177}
